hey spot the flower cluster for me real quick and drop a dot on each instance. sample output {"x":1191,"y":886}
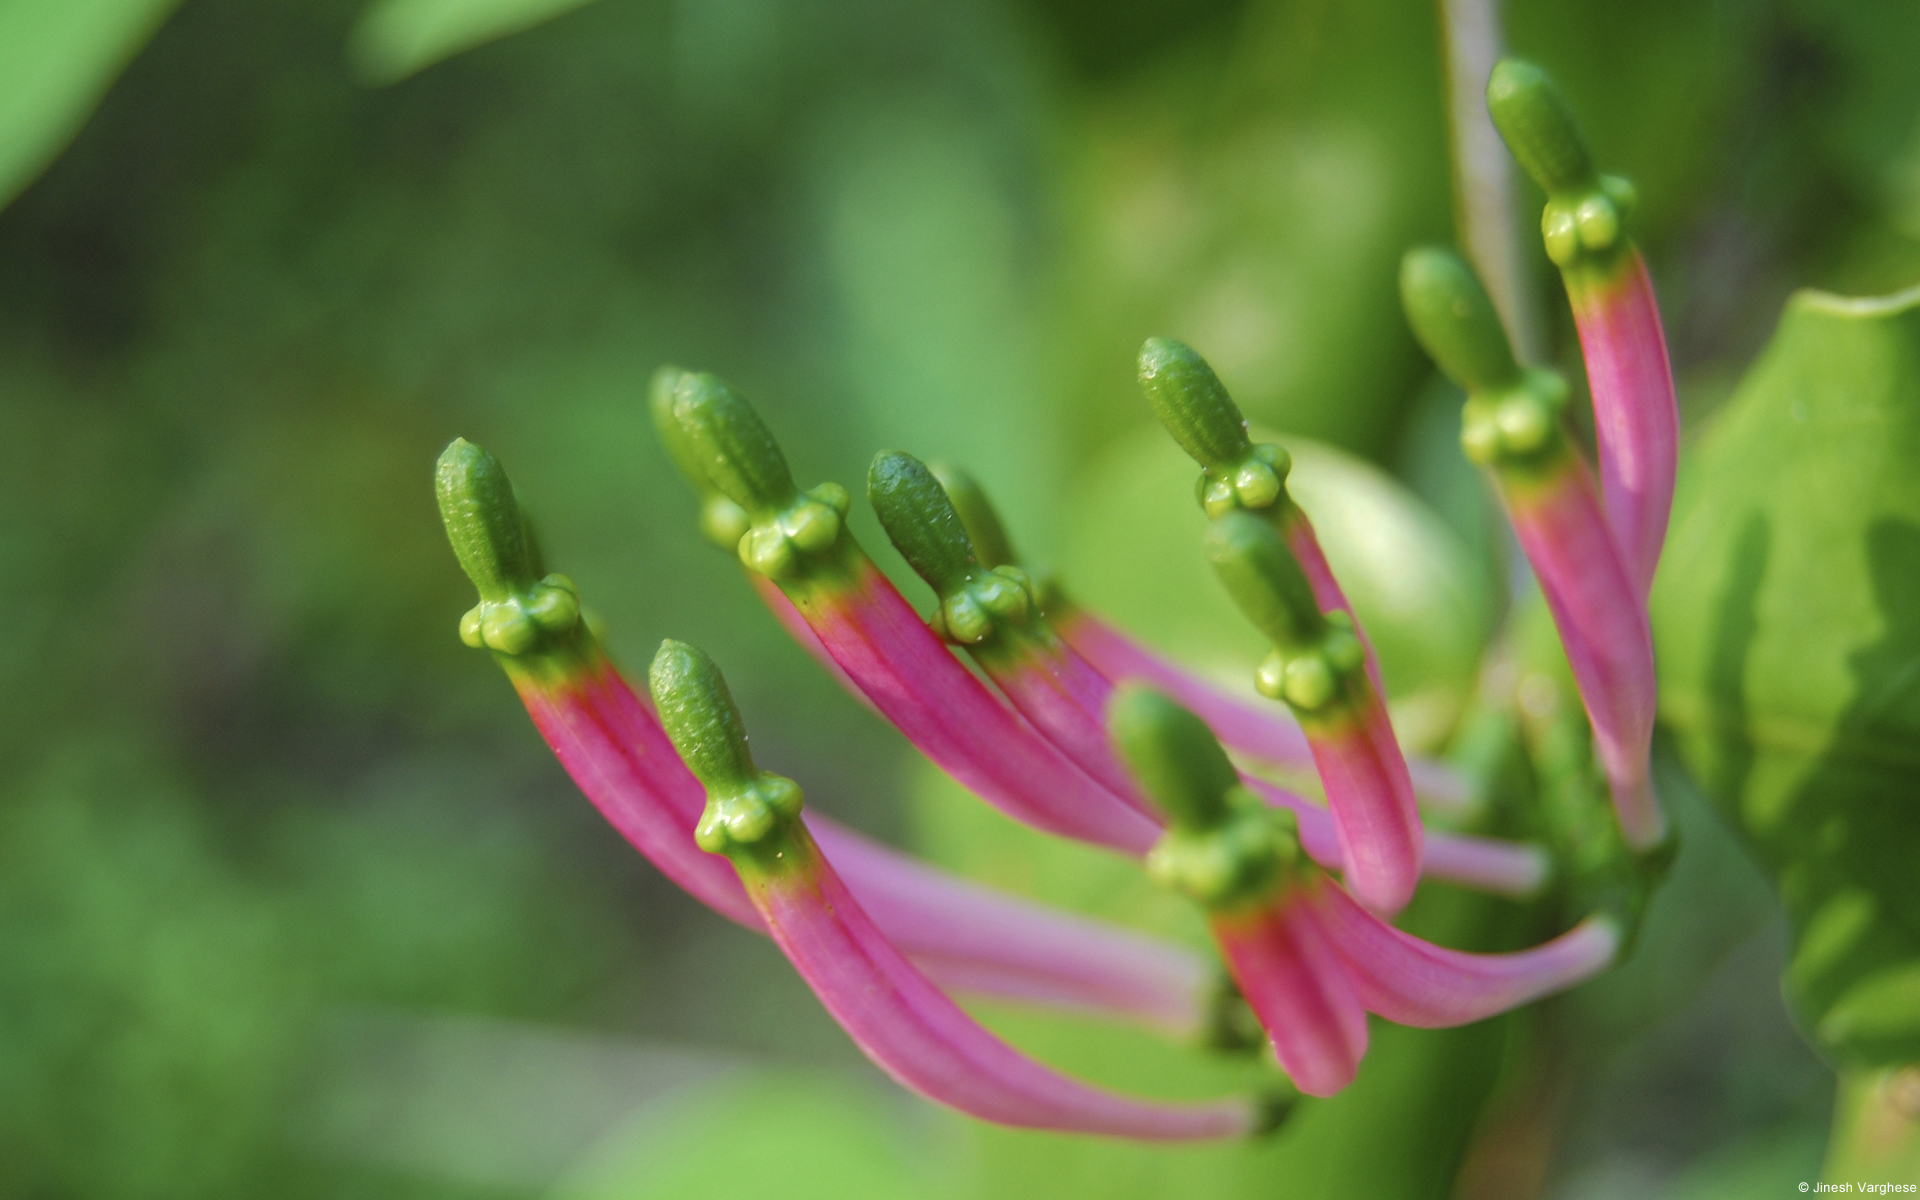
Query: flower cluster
{"x":1075,"y":729}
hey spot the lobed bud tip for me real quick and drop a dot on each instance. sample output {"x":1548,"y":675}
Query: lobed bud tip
{"x":1454,"y":319}
{"x":1192,"y":403}
{"x":1265,"y":579}
{"x":1539,"y":127}
{"x":518,"y":611}
{"x":726,"y":440}
{"x":744,"y":804}
{"x":921,"y":521}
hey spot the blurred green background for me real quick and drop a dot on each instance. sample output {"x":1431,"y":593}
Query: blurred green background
{"x":293,"y":901}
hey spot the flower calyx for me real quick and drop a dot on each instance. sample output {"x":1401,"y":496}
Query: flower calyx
{"x":976,"y":603}
{"x":1584,"y":220}
{"x":1513,"y":414}
{"x":1313,"y":678}
{"x":1224,"y":848}
{"x":1318,"y":663}
{"x":749,"y":811}
{"x":1194,"y":406}
{"x":787,"y":530}
{"x":519,"y":613}
{"x":992,"y":546}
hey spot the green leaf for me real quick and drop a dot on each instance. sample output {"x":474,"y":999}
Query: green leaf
{"x":1788,"y":618}
{"x":396,"y":38}
{"x":57,"y":59}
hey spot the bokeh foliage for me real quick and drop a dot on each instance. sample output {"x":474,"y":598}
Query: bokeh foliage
{"x":255,"y":793}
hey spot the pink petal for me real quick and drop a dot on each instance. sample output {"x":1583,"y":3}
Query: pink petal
{"x":1414,"y":982}
{"x":912,"y":678}
{"x":967,"y":936}
{"x":616,"y":751}
{"x":1603,"y":625}
{"x":1265,"y":732}
{"x":1298,"y":986}
{"x":1485,"y":864}
{"x":801,"y":632}
{"x":1636,"y":421}
{"x":1371,"y":799}
{"x":914,"y":1033}
{"x":974,"y":938}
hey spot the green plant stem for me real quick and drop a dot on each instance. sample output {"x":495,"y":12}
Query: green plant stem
{"x":1876,"y":1126}
{"x":1483,"y":183}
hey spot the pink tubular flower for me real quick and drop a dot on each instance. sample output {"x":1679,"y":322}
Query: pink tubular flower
{"x":1317,"y":667}
{"x":1414,"y":982}
{"x":800,"y":542}
{"x":1266,"y":552}
{"x":1636,"y":418}
{"x":612,"y":744}
{"x":1309,"y":960}
{"x":995,"y":616}
{"x":1513,"y":428}
{"x":902,"y":1022}
{"x":1298,"y":986}
{"x":1636,"y":421}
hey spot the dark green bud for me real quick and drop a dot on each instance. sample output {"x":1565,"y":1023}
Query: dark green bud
{"x":1538,"y":124}
{"x":726,"y":439}
{"x":519,"y":611}
{"x":975,"y":603}
{"x":483,"y":520}
{"x":1173,"y":756}
{"x":1265,"y":579}
{"x":722,"y":521}
{"x":744,"y":804}
{"x":921,"y":521}
{"x":991,"y":545}
{"x":1455,"y":321}
{"x":1192,"y":403}
{"x":1585,"y":216}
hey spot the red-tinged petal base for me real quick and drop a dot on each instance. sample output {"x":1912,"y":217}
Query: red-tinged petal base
{"x":1636,"y":420}
{"x":1297,"y":985}
{"x":620,"y":757}
{"x":1414,"y":982}
{"x":797,"y":628}
{"x":1602,"y":624}
{"x":913,"y":1032}
{"x":1371,"y":799}
{"x":917,"y":683}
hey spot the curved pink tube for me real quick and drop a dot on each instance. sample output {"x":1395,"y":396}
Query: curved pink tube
{"x":1297,"y":985}
{"x":950,"y":716}
{"x":914,"y":1033}
{"x":1636,"y":420}
{"x":968,"y":936}
{"x":1484,"y":864}
{"x":1603,"y":626}
{"x":1414,"y":982}
{"x":1374,"y":813}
